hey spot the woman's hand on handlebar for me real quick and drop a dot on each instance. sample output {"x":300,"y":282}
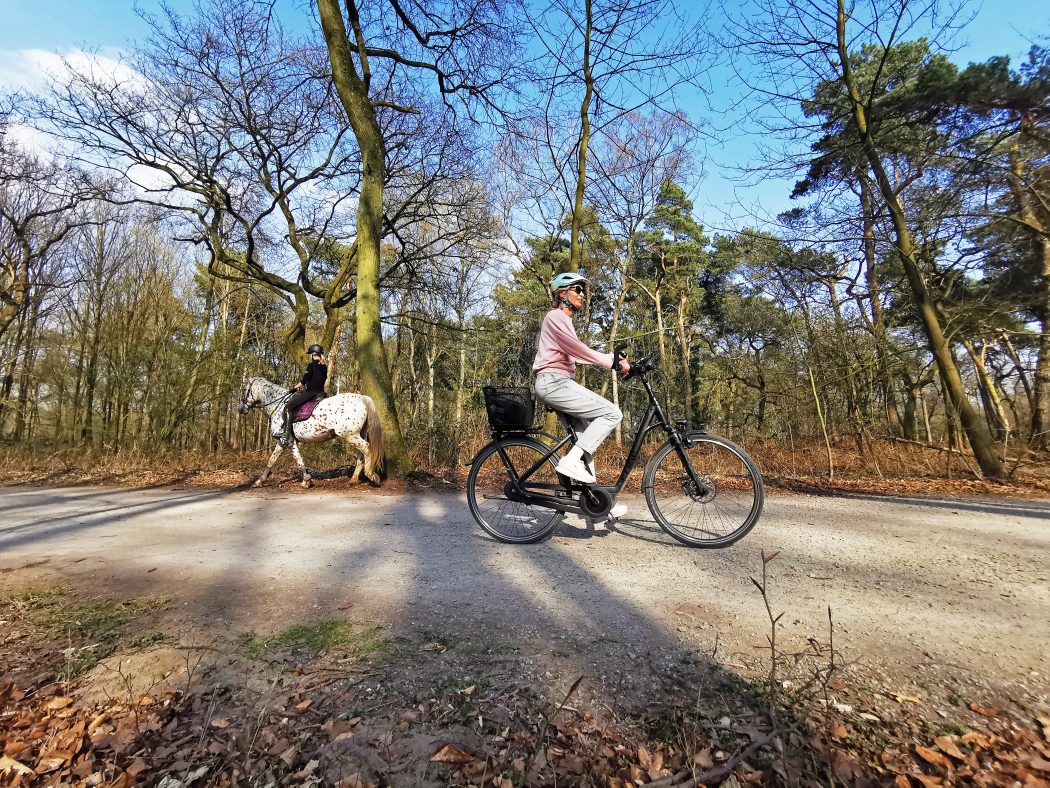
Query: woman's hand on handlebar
{"x":621,"y":361}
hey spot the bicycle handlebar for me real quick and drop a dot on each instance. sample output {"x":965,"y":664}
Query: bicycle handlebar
{"x":640,"y":367}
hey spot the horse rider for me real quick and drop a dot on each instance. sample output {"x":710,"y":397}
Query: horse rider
{"x":311,"y":386}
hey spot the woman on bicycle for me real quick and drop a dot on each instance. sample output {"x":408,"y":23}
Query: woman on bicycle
{"x":558,"y":351}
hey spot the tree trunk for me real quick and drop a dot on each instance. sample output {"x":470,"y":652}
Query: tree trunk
{"x":353,"y":93}
{"x":981,"y":443}
{"x":180,"y":410}
{"x":1030,"y":221}
{"x":990,"y":399}
{"x":878,"y":317}
{"x":687,"y":372}
{"x":1019,"y":369}
{"x":25,"y":380}
{"x":575,"y":242}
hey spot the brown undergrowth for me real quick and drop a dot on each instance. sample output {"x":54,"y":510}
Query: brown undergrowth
{"x":887,"y":468}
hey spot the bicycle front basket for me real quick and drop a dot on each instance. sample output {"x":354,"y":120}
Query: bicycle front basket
{"x":509,"y":408}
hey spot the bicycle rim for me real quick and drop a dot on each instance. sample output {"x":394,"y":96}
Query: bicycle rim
{"x":504,"y":519}
{"x":719,"y":513}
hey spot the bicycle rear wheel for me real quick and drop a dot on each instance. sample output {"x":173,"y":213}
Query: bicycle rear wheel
{"x":718,"y":512}
{"x":488,"y":486}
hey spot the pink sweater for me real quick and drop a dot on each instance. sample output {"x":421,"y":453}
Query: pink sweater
{"x":558,"y":349}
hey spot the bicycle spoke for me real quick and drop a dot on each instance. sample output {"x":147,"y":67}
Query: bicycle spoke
{"x":721,"y":508}
{"x":505,"y":519}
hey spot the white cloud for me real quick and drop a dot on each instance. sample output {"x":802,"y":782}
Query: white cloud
{"x":29,"y":69}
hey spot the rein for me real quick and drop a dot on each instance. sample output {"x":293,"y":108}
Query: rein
{"x":283,"y":396}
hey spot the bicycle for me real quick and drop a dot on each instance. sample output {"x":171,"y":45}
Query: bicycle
{"x":702,"y":489}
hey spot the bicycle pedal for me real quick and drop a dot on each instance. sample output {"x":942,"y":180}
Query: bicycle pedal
{"x":565,"y":495}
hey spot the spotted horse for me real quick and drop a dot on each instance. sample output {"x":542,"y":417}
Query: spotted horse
{"x":351,"y":417}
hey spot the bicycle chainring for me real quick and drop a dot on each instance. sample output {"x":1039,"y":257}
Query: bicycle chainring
{"x":596,"y":502}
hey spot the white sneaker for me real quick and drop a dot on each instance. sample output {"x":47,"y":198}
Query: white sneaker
{"x":617,"y":511}
{"x":575,"y":469}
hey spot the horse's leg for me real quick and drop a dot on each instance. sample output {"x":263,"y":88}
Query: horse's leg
{"x":361,"y":446}
{"x":302,"y":465}
{"x":269,"y":466}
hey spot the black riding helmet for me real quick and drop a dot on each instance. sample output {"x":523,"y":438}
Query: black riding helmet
{"x":315,"y":349}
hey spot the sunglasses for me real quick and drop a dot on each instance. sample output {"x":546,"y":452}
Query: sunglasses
{"x":577,"y":289}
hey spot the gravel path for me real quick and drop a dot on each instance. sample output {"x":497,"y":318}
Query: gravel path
{"x":963,"y":584}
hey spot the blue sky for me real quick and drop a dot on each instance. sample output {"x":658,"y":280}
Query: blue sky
{"x":58,"y":26}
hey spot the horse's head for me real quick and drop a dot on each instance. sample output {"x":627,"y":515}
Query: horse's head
{"x":249,"y":396}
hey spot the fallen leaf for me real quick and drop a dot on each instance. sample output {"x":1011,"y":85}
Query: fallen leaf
{"x":15,"y":747}
{"x":49,"y":763}
{"x":58,"y":703}
{"x":1044,"y":721}
{"x":932,"y":756}
{"x":947,"y":745}
{"x":468,"y":690}
{"x":905,"y":698}
{"x":842,"y":765}
{"x":838,"y":731}
{"x":439,"y":648}
{"x":289,"y":755}
{"x":979,"y":740}
{"x":304,"y":705}
{"x":8,"y":764}
{"x":1039,"y":763}
{"x":450,"y":753}
{"x":928,"y":780}
{"x":985,"y":711}
{"x":704,"y":760}
{"x":338,"y":730}
{"x":220,"y":723}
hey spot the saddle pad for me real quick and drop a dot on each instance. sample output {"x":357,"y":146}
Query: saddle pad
{"x":306,"y":410}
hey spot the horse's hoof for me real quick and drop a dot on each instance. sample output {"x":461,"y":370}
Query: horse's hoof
{"x":257,"y":485}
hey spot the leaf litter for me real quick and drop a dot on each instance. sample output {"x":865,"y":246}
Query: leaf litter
{"x":442,"y":717}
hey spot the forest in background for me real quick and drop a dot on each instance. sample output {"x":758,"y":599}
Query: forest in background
{"x":401,"y":186}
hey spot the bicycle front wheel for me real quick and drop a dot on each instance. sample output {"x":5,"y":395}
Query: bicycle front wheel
{"x":716,"y":504}
{"x":488,"y":486}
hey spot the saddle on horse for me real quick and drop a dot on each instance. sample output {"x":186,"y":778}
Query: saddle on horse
{"x":306,"y":410}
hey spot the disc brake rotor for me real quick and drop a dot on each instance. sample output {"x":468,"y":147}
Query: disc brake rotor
{"x":704,"y":494}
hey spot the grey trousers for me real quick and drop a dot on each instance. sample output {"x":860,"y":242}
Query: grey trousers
{"x":592,"y":416}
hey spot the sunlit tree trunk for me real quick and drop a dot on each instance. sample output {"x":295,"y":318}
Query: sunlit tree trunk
{"x":1030,"y":220}
{"x":353,"y":93}
{"x":575,"y":242}
{"x":980,"y":442}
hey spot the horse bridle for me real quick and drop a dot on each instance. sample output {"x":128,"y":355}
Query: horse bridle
{"x":258,"y":403}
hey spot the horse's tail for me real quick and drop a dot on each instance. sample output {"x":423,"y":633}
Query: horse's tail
{"x":372,"y":431}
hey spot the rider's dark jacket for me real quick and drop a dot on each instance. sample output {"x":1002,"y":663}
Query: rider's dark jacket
{"x":315,"y":376}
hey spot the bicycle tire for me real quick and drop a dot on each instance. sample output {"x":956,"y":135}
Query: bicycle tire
{"x":714,"y":518}
{"x":510,"y":521}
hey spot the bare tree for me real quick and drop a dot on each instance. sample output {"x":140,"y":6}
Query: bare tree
{"x":607,"y":59}
{"x":465,"y":51}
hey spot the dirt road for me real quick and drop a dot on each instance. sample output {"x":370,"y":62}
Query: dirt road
{"x":916,"y":587}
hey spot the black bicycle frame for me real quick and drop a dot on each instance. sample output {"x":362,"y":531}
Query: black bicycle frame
{"x":526,"y":494}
